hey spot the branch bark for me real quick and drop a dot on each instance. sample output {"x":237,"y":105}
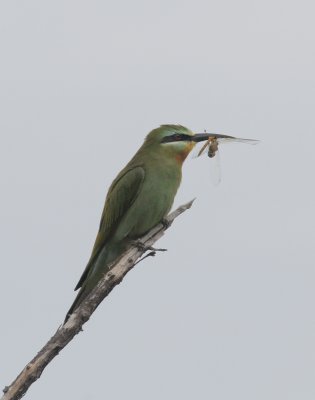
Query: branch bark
{"x":66,"y":332}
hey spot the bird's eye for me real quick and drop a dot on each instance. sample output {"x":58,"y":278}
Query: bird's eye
{"x":175,"y":137}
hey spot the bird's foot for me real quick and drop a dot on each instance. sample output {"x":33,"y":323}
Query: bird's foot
{"x":142,"y":247}
{"x":154,"y":249}
{"x":166,"y":223}
{"x":152,"y":252}
{"x":139,"y":245}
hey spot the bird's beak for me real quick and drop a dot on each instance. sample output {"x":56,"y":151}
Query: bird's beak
{"x":200,"y":137}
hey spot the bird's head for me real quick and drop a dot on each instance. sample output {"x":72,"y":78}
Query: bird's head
{"x":174,"y":140}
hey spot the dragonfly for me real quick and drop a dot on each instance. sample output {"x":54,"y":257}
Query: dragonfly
{"x":212,"y":147}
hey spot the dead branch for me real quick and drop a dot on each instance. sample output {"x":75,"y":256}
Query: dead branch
{"x":66,"y":332}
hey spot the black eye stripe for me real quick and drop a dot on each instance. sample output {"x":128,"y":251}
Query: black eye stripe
{"x":176,"y":137}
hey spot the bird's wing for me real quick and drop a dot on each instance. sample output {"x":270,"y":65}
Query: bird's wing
{"x":122,"y":193}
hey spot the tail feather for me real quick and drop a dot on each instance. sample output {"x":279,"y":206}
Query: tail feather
{"x":77,"y":301}
{"x":94,"y":271}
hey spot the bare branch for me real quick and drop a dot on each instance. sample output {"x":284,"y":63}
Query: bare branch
{"x":66,"y":332}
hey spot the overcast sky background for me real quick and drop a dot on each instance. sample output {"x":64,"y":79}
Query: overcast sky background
{"x":228,"y":311}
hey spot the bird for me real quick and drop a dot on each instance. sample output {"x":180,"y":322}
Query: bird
{"x":139,"y":198}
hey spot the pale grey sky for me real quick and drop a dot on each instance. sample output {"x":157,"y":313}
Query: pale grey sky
{"x":228,"y":312}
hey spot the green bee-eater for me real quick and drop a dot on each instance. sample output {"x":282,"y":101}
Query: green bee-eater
{"x":138,"y":199}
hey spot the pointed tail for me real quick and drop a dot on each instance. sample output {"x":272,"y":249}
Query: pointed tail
{"x":94,"y":271}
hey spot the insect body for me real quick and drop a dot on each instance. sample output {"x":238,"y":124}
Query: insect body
{"x":213,"y":147}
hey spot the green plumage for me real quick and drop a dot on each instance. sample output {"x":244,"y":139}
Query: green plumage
{"x":139,"y":198}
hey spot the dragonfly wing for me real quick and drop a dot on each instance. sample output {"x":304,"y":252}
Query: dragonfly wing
{"x":238,"y":140}
{"x":200,"y":151}
{"x":215,"y":169}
